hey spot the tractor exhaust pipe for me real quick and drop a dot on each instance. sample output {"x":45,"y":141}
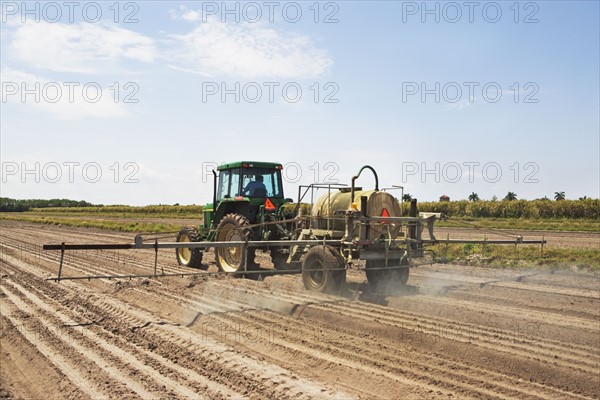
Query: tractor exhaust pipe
{"x":214,"y":188}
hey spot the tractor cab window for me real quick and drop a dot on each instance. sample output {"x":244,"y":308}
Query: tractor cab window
{"x":229,"y":184}
{"x":261,"y":182}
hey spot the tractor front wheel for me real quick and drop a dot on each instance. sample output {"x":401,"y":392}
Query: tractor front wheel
{"x":186,"y":256}
{"x":323,"y":269}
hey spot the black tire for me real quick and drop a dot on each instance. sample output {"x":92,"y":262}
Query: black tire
{"x":188,"y":257}
{"x":234,"y":228}
{"x":384,"y":279}
{"x":323,"y":269}
{"x":279,"y":260}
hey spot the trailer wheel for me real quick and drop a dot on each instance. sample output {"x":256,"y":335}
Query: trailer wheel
{"x":323,"y":269}
{"x":188,"y":257}
{"x":384,"y":279}
{"x":234,"y":228}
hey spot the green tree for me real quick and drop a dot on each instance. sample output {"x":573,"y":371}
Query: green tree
{"x":559,"y":196}
{"x":473,"y":197}
{"x":510,"y":196}
{"x":406,"y":197}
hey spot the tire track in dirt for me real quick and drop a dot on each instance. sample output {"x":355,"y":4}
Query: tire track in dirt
{"x":586,"y":309}
{"x":463,"y":379}
{"x":577,"y":358}
{"x":525,"y":286}
{"x":84,"y":385}
{"x":444,"y":332}
{"x":132,"y":357}
{"x":430,"y":300}
{"x":236,"y":311}
{"x":108,"y":367}
{"x":466,"y":306}
{"x":47,"y":340}
{"x":398,"y":356}
{"x":362,"y":348}
{"x":255,"y":372}
{"x":87,"y":264}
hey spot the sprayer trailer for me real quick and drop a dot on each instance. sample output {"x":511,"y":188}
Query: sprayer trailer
{"x":344,"y":225}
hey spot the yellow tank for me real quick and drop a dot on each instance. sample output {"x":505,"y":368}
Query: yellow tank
{"x":378,"y":204}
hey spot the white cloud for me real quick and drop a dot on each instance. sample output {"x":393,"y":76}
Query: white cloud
{"x":57,"y":98}
{"x":248,"y":51}
{"x":184,"y":13}
{"x":81,"y":48}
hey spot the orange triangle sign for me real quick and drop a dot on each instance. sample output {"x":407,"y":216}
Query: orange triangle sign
{"x":385,"y":214}
{"x":269,"y":205}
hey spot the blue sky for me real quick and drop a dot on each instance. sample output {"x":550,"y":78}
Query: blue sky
{"x":534,"y":130}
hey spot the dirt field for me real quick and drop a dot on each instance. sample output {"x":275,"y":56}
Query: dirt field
{"x":454,"y":332}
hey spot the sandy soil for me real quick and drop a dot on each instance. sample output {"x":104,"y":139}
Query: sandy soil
{"x":456,"y":332}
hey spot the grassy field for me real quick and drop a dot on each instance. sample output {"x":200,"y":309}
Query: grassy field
{"x":528,"y":256}
{"x":565,"y":215}
{"x":100,"y":223}
{"x":529,"y":224}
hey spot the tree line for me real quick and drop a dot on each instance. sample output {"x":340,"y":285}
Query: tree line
{"x":17,"y":205}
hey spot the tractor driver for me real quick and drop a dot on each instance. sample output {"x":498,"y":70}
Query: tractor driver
{"x":256,"y":188}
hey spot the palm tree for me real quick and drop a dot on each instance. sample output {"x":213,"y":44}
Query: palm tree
{"x":407,"y":197}
{"x":473,"y":197}
{"x":510,"y":196}
{"x":559,"y":196}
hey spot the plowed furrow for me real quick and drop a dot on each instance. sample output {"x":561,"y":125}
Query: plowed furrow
{"x":88,"y":262}
{"x":147,"y":378}
{"x":248,"y":371}
{"x":349,"y":347}
{"x":503,"y":283}
{"x":576,"y":356}
{"x":476,"y":376}
{"x":79,"y":361}
{"x":154,"y":367}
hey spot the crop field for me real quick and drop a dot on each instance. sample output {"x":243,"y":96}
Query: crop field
{"x":455,"y":331}
{"x":300,"y":200}
{"x":571,"y":228}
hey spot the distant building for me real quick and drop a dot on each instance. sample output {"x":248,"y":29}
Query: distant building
{"x":444,"y":198}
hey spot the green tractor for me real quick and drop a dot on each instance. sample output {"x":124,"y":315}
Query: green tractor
{"x":248,"y":203}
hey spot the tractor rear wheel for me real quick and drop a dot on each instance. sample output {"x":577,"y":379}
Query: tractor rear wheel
{"x":323,"y":269}
{"x":234,"y":228}
{"x":186,"y":256}
{"x":382,"y":278}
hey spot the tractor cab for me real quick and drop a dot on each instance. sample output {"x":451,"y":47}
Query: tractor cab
{"x":247,"y":205}
{"x":249,"y":179}
{"x":251,"y":189}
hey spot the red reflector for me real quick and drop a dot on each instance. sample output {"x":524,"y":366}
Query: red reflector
{"x":269,"y":205}
{"x":238,"y":198}
{"x":385,"y":214}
